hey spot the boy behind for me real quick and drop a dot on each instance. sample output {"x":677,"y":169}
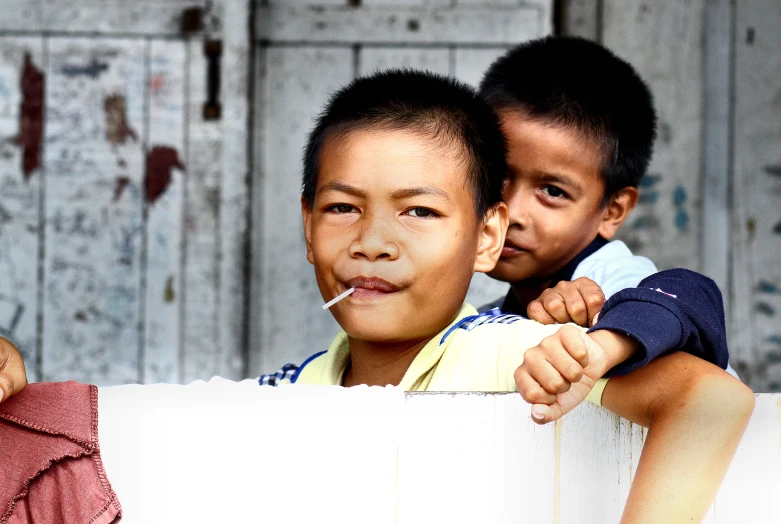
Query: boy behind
{"x":580,"y":127}
{"x":402,"y":203}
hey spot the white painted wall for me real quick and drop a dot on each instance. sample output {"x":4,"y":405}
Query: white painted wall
{"x":358,"y":455}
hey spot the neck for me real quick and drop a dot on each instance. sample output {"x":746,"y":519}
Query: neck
{"x":380,"y":364}
{"x":529,"y":290}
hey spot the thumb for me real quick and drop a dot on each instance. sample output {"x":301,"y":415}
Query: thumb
{"x":594,"y":320}
{"x":543,"y":413}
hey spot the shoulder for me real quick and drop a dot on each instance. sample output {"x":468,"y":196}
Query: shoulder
{"x":494,"y":333}
{"x":613,"y":267}
{"x":491,"y":305}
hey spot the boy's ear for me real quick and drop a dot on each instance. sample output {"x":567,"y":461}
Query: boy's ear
{"x":491,"y":242}
{"x":306,"y":213}
{"x":617,"y":211}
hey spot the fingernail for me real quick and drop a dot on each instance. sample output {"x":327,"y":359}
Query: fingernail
{"x":536,"y":415}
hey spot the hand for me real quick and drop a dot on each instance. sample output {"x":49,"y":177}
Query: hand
{"x":559,"y":373}
{"x":13,"y":377}
{"x":578,"y":301}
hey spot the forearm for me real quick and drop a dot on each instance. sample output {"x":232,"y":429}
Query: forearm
{"x":671,"y":310}
{"x":696,"y":415}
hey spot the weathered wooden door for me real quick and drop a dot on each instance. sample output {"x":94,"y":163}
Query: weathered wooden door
{"x":121,"y":242}
{"x":124,"y":206}
{"x":305,"y":52}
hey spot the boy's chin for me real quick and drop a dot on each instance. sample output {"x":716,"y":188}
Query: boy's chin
{"x":381,"y":333}
{"x":506,"y":271}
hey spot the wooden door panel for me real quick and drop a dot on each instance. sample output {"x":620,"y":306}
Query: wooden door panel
{"x":21,"y":106}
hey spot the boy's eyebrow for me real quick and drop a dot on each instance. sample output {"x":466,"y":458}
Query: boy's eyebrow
{"x":397,"y":194}
{"x":562,"y":180}
{"x":344,"y":188}
{"x":420,"y":190}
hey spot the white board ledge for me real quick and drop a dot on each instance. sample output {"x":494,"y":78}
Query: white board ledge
{"x":378,"y":455}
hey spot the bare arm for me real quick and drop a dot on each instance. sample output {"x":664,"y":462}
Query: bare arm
{"x":696,"y":414}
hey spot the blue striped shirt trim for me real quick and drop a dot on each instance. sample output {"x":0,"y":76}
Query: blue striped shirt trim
{"x":492,"y":316}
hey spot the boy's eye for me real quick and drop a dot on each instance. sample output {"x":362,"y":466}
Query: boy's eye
{"x":422,"y":212}
{"x":554,"y":191}
{"x":340,"y":208}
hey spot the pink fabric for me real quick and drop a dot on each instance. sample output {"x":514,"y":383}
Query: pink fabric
{"x":50,"y":463}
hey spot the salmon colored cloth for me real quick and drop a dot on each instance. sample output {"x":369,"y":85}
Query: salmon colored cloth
{"x":50,"y":467}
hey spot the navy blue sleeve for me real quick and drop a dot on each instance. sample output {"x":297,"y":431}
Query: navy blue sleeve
{"x":673,"y":310}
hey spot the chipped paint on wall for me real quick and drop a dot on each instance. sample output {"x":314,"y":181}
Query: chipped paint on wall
{"x":31,"y":117}
{"x":11,"y":311}
{"x":91,"y":69}
{"x":122,"y":183}
{"x":159,"y":163}
{"x":650,"y":180}
{"x":682,"y":219}
{"x":765,"y":309}
{"x":645,"y":222}
{"x":169,"y":295}
{"x":118,"y":129}
{"x":773,"y":170}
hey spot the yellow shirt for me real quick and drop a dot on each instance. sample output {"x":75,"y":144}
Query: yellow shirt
{"x":483,"y":358}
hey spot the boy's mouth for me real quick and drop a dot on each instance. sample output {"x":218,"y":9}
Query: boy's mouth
{"x":511,"y":249}
{"x":371,"y":287}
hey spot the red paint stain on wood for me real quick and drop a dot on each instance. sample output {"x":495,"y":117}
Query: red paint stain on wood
{"x":122,"y":183}
{"x":159,"y":162}
{"x":31,"y":117}
{"x":117,"y":128}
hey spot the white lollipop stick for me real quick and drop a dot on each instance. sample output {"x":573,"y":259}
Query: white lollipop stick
{"x":337,"y":299}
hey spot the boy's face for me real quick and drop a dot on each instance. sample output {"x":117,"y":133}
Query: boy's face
{"x":554,"y":198}
{"x":394,"y":217}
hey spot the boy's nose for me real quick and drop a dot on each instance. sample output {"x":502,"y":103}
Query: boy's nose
{"x":374,"y":241}
{"x":518,"y":206}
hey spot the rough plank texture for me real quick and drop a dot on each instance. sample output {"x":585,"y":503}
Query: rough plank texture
{"x":107,"y":17}
{"x":164,"y":197}
{"x":234,"y":190}
{"x":288,"y":322}
{"x":375,"y":58}
{"x":470,"y":64}
{"x":717,"y":136}
{"x":581,"y":18}
{"x":663,"y":40}
{"x":467,"y":25}
{"x":95,"y":100}
{"x":756,"y":225}
{"x":21,"y":147}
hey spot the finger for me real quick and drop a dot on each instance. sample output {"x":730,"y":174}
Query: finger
{"x":544,"y":373}
{"x":554,"y":304}
{"x":530,"y":389}
{"x":575,"y":342}
{"x":575,"y":304}
{"x":543,"y":414}
{"x":566,"y":365}
{"x":594,"y":320}
{"x":594,"y":298}
{"x":536,"y":311}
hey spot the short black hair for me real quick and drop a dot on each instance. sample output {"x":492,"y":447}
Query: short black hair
{"x":423,"y":102}
{"x":579,"y":84}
